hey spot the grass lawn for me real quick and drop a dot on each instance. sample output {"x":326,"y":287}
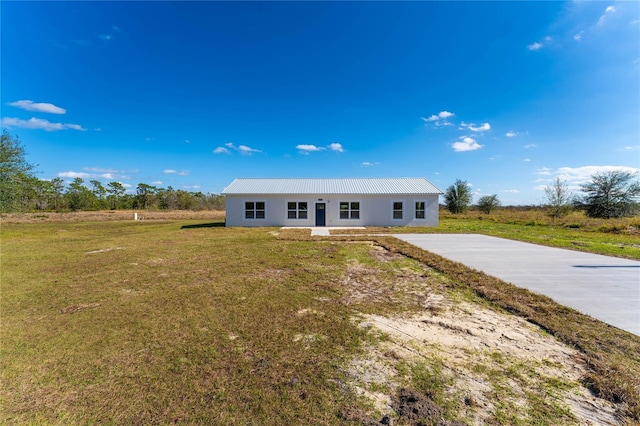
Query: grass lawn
{"x":123,"y":322}
{"x":612,"y":237}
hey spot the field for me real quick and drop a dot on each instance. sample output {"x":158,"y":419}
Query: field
{"x":177,"y":319}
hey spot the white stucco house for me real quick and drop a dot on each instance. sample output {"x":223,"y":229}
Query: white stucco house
{"x":332,"y":202}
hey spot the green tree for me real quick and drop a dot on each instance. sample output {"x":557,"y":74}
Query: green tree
{"x":145,"y":196}
{"x":488,"y":203}
{"x":99,"y":193}
{"x":167,"y":198}
{"x":43,"y":194}
{"x":78,"y":196}
{"x":116,"y":190}
{"x":610,"y":194}
{"x":57,"y":185}
{"x":558,"y":199}
{"x":15,"y":174}
{"x":457,"y":197}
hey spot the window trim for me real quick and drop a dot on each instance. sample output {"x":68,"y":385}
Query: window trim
{"x":393,"y":209}
{"x":297,"y":210}
{"x":350,"y":210}
{"x":255,"y":209}
{"x":423,"y":210}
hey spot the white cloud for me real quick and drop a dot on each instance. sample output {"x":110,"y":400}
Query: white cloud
{"x":368,"y":164}
{"x":191,"y":186}
{"x":575,"y":176}
{"x":175,"y":172}
{"x":510,"y":191}
{"x":39,"y":123}
{"x":101,"y":170}
{"x":632,"y":148}
{"x":482,"y":128}
{"x":526,"y":160}
{"x":309,"y":148}
{"x":337,"y":147}
{"x":156,"y":182}
{"x":247,"y":150}
{"x":29,"y":105}
{"x":105,"y":37}
{"x":242,"y":149}
{"x":578,"y":36}
{"x":73,"y":175}
{"x":75,"y":127}
{"x":578,"y":175}
{"x":511,"y":134}
{"x":467,"y":144}
{"x":439,"y":119}
{"x":607,"y":12}
{"x":83,"y":175}
{"x":529,"y":146}
{"x":535,"y":46}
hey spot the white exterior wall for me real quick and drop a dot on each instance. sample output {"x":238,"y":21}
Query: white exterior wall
{"x":375,"y":210}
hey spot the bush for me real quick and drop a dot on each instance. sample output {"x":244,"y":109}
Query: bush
{"x":487,"y":203}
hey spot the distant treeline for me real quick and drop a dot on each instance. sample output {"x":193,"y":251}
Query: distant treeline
{"x":40,"y":195}
{"x":22,"y":191}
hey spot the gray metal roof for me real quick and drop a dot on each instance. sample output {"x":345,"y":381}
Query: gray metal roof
{"x":342,"y":186}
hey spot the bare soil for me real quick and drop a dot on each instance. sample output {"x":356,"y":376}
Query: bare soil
{"x":490,"y":359}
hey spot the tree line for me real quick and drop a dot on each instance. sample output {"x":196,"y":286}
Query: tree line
{"x":606,"y":195}
{"x":21,"y":190}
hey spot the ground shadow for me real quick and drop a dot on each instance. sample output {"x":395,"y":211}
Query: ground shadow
{"x":606,"y":266}
{"x":204,"y":225}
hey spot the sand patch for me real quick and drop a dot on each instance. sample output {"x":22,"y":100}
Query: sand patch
{"x":476,"y":345}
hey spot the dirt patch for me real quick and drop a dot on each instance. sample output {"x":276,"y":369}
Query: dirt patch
{"x":104,"y":250}
{"x":489,"y":365}
{"x":417,"y":409}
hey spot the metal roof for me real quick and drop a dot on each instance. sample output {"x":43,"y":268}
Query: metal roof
{"x":341,"y":186}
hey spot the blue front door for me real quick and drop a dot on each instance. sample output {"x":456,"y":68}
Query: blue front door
{"x":320,"y":214}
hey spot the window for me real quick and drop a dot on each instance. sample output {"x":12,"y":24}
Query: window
{"x":420,"y":210}
{"x":398,"y":209}
{"x":297,"y":210}
{"x":254,"y":210}
{"x":349,"y":210}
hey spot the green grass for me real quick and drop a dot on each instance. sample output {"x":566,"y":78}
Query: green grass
{"x":170,"y":325}
{"x":124,"y":322}
{"x":613,"y":237}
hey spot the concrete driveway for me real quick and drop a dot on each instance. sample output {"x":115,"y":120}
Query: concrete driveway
{"x":606,"y":288}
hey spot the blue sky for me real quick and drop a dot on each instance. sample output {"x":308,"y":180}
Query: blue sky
{"x":504,"y":95}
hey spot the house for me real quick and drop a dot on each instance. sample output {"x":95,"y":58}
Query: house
{"x":332,"y":202}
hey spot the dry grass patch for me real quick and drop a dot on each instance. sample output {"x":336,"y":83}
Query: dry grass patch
{"x":193,"y":323}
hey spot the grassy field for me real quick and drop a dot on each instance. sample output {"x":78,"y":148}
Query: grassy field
{"x":612,"y":237}
{"x":181,"y":320}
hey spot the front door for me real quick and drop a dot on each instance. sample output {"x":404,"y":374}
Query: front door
{"x":320,"y":214}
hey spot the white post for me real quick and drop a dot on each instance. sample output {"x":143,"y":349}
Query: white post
{"x":135,"y":216}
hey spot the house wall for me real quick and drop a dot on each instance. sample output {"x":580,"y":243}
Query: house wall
{"x":375,"y":210}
